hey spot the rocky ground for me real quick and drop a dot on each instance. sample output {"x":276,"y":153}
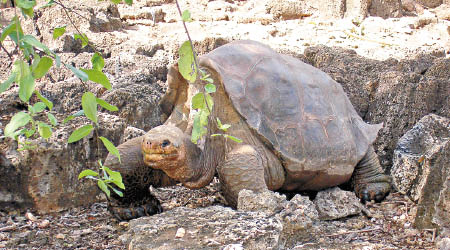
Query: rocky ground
{"x":386,"y":225}
{"x":392,"y":66}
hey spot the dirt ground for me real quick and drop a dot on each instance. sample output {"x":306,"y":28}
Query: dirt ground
{"x":388,"y":227}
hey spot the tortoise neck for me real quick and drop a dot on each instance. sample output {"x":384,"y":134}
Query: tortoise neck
{"x":200,"y":165}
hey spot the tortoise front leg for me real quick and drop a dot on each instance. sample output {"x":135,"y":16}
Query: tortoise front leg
{"x":137,"y":201}
{"x":369,"y":180}
{"x":242,"y":169}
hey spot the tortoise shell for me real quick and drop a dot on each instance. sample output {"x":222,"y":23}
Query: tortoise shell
{"x":296,"y":109}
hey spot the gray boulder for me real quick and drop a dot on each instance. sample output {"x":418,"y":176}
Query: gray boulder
{"x":212,"y":227}
{"x":422,"y":170}
{"x":335,"y":203}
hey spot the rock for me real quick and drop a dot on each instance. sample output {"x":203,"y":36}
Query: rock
{"x":269,"y":202}
{"x":422,"y":170}
{"x":425,"y":19}
{"x":290,"y":9}
{"x":443,"y":244}
{"x":430,"y":3}
{"x":443,"y":12}
{"x":299,"y":214}
{"x":46,"y":177}
{"x":386,"y":8}
{"x":103,"y":23}
{"x":357,"y":8}
{"x":206,"y":228}
{"x":335,"y":203}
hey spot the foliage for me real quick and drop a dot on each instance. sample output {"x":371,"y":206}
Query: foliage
{"x":34,"y":61}
{"x":203,"y":101}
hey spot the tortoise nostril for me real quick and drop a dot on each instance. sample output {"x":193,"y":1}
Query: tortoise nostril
{"x":165,"y":143}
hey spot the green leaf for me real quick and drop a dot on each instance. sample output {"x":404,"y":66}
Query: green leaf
{"x":233,"y":138}
{"x":29,"y":132}
{"x":110,"y":147}
{"x":115,"y":177}
{"x":10,"y":29}
{"x":44,"y":130}
{"x":198,"y":101}
{"x":186,"y":63}
{"x":87,"y":172}
{"x":24,"y":78}
{"x":28,"y":12}
{"x":6,"y":84}
{"x":102,"y":185}
{"x":210,"y":101}
{"x":119,"y":193}
{"x":221,"y":126}
{"x":106,"y":105}
{"x":116,"y":1}
{"x":50,"y":3}
{"x":198,"y":129}
{"x":97,"y":62}
{"x":36,"y":60}
{"x":18,"y":120}
{"x":80,"y":74}
{"x":59,"y":31}
{"x":186,"y":16}
{"x":210,"y":88}
{"x":84,"y":39}
{"x":26,"y":4}
{"x":47,"y":102}
{"x":26,"y":87}
{"x":52,"y":119}
{"x":43,"y":66}
{"x":129,"y":2}
{"x":98,"y":77}
{"x":38,"y":107}
{"x":70,"y":117}
{"x":89,"y":105}
{"x":80,"y":133}
{"x":31,"y":40}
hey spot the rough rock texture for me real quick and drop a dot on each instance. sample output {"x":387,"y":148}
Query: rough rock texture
{"x":46,"y":178}
{"x":335,"y":203}
{"x":430,"y":3}
{"x":205,"y":228}
{"x":422,"y":170}
{"x":386,"y":8}
{"x":269,"y":202}
{"x":299,"y":214}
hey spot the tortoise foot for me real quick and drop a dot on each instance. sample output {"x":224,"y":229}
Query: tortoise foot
{"x":373,"y":191}
{"x":135,"y":211}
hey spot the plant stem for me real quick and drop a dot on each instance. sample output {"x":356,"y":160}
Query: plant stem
{"x":71,"y":10}
{"x":76,"y":28}
{"x":189,"y":37}
{"x":195,"y":60}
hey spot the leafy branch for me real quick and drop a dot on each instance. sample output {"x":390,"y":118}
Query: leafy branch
{"x":31,"y":65}
{"x":202,"y":102}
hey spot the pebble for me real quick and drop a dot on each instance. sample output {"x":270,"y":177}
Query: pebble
{"x":30,"y":216}
{"x":44,"y":224}
{"x":234,"y":247}
{"x":60,"y":236}
{"x":180,"y":233}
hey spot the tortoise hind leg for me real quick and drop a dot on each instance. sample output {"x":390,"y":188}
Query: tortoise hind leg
{"x":369,"y":180}
{"x":242,"y":169}
{"x":137,"y":201}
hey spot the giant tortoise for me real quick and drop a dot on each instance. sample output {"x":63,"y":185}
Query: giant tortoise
{"x":299,"y":131}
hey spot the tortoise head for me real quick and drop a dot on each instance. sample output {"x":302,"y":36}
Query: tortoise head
{"x":164,"y":147}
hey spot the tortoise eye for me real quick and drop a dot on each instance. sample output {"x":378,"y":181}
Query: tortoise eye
{"x":165,"y":143}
